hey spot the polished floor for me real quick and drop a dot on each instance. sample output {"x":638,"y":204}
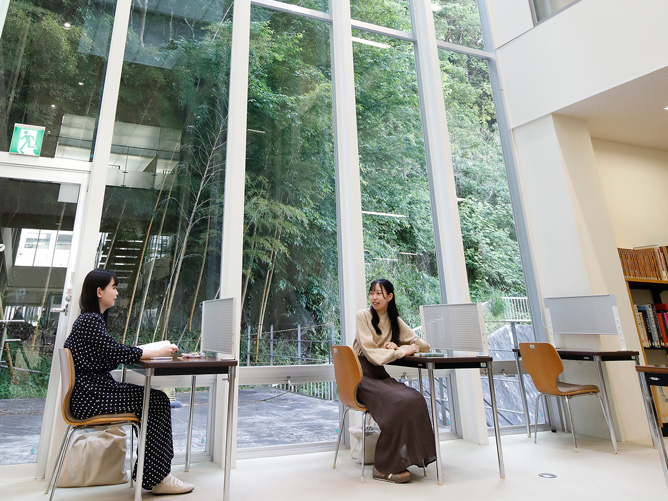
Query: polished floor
{"x":470,"y":472}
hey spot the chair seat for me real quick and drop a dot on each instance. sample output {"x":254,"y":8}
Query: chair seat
{"x":104,"y":419}
{"x":576,"y":389}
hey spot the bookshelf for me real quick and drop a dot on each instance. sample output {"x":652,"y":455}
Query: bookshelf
{"x":647,"y":286}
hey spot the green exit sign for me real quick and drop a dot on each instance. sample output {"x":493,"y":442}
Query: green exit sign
{"x":27,"y":140}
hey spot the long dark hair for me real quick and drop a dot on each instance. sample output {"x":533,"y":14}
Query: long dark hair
{"x":392,"y":311}
{"x":88,"y":302}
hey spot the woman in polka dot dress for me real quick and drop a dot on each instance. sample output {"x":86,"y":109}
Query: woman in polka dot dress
{"x":95,"y":353}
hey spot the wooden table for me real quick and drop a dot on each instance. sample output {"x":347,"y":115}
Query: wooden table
{"x":651,"y":375}
{"x":433,"y":363}
{"x":597,"y":356}
{"x":178,"y":366}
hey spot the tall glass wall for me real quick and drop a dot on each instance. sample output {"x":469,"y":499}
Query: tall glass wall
{"x":162,"y":214}
{"x":398,"y":227}
{"x":290,"y":297}
{"x":53,"y":57}
{"x":491,"y":250}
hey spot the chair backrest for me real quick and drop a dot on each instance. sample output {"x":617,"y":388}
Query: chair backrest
{"x":66,"y":383}
{"x":348,"y":374}
{"x":458,"y":327}
{"x":543,"y":364}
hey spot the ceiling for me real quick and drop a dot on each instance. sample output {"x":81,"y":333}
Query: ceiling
{"x":631,"y":113}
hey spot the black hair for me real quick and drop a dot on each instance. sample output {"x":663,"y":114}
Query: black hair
{"x":392,"y":311}
{"x":89,"y":302}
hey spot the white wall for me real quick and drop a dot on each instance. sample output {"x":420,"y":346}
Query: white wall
{"x":590,"y":47}
{"x":635,"y":183}
{"x":514,"y":18}
{"x":572,"y":238}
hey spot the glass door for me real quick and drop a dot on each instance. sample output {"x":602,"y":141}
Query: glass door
{"x":36,"y":234}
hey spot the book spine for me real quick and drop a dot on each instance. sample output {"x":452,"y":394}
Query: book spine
{"x":641,"y":328}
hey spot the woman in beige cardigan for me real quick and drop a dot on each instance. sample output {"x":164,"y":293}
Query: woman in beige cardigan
{"x":406,"y":437}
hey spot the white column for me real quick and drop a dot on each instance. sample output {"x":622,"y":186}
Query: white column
{"x":447,"y":230}
{"x":233,"y":214}
{"x":352,"y":280}
{"x":87,"y":225}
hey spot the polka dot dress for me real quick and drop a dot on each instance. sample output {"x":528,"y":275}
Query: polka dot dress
{"x":95,"y":353}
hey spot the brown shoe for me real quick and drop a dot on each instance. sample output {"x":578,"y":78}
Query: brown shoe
{"x":396,"y":478}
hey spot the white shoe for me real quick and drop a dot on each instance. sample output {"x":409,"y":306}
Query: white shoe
{"x":172,"y":485}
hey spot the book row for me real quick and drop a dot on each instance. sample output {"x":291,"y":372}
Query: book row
{"x":652,"y":322}
{"x":650,"y":262}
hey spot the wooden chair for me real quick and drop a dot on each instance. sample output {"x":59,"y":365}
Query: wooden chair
{"x":107,"y":420}
{"x":348,"y":375}
{"x":543,"y":363}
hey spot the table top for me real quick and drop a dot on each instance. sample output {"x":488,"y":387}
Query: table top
{"x":654,"y":369}
{"x":567,"y":354}
{"x":443,"y":362}
{"x":179,"y":366}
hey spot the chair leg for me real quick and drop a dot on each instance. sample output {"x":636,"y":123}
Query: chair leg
{"x":338,"y":441}
{"x":535,"y":423}
{"x":608,"y":420}
{"x":59,"y":464}
{"x":133,"y":427}
{"x":570,"y":421}
{"x":60,"y":453}
{"x":364,"y":419}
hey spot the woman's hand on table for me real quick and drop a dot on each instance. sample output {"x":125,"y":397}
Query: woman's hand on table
{"x":411,"y":349}
{"x":166,"y":350}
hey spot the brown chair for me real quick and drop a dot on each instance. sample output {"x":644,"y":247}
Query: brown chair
{"x":107,"y":420}
{"x":543,"y":363}
{"x":348,"y":375}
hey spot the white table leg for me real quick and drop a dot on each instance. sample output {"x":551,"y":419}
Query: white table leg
{"x":142,"y":433}
{"x":653,"y":420}
{"x":189,"y":440}
{"x":604,"y":396}
{"x":434,"y":418}
{"x":495,"y":416}
{"x":231,"y":380}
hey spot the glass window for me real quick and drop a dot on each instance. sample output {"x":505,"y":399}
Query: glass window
{"x":290,"y":309}
{"x":393,"y":14}
{"x":54,"y":63}
{"x":543,"y":9}
{"x":162,"y":215}
{"x":398,"y":228}
{"x":491,"y":250}
{"x":458,"y":22}
{"x":33,"y":223}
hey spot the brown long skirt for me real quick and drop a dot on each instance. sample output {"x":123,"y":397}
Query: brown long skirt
{"x":406,"y":437}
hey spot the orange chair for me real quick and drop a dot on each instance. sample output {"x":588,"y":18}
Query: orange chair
{"x":348,"y":375}
{"x":108,"y":420}
{"x":543,"y":363}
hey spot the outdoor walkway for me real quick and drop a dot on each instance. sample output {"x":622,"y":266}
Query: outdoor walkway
{"x":267,"y":417}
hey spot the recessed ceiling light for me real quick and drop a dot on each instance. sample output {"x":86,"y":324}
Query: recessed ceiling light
{"x":53,"y":105}
{"x":67,"y":26}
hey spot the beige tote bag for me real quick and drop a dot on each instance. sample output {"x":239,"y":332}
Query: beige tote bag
{"x":95,"y":458}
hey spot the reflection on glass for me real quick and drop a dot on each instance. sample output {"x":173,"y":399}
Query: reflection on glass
{"x":491,"y":250}
{"x":458,"y":22}
{"x":393,"y":14}
{"x":321,"y":5}
{"x":398,"y":230}
{"x":547,"y":8}
{"x":32,"y":276}
{"x":54,"y":58}
{"x":290,"y":278}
